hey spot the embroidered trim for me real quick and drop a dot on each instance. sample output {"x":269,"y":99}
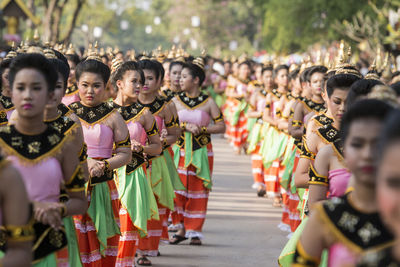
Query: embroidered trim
{"x":153,"y":130}
{"x":130,"y":113}
{"x":6,"y":102}
{"x":20,"y":233}
{"x":219,"y":118}
{"x":168,"y":94}
{"x":33,"y":148}
{"x":71,"y":90}
{"x":124,"y":143}
{"x":322,"y":119}
{"x":77,"y":181}
{"x":171,"y":123}
{"x":92,"y":115}
{"x":194,"y":102}
{"x":83,"y":154}
{"x":156,"y":106}
{"x":305,"y":151}
{"x":317,"y":179}
{"x":312,"y":106}
{"x":303,"y":259}
{"x":358,"y":231}
{"x":3,"y":118}
{"x":297,"y":123}
{"x":65,"y":111}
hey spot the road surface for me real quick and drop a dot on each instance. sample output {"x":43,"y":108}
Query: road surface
{"x":240,"y":229}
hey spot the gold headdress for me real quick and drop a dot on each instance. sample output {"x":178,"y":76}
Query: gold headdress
{"x":345,"y":67}
{"x":199,"y":62}
{"x":115,"y":63}
{"x":160,"y":56}
{"x":372,"y":73}
{"x":12,"y":54}
{"x":48,"y":52}
{"x":172,"y":52}
{"x":384,"y":93}
{"x":93,"y":53}
{"x":70,"y":50}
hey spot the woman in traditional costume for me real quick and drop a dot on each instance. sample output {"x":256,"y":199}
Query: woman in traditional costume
{"x":195,"y":161}
{"x":238,"y":120}
{"x":387,"y":192}
{"x":256,"y":109}
{"x":47,"y":153}
{"x":108,"y":148}
{"x":138,"y":204}
{"x":349,"y":225}
{"x":159,"y":173}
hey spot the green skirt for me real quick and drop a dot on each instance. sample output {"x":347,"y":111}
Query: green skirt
{"x":74,"y":257}
{"x":137,"y":197}
{"x":101,"y":212}
{"x":161,"y":182}
{"x":173,"y":173}
{"x":254,"y":137}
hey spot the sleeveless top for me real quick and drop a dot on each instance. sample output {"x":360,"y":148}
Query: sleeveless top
{"x":71,"y":95}
{"x":191,"y":114}
{"x":98,"y":137}
{"x":137,"y":133}
{"x":338,"y":181}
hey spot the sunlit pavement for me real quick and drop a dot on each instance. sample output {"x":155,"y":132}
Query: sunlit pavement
{"x":240,"y":229}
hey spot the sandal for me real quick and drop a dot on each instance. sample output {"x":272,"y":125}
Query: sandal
{"x":177,"y":239}
{"x":195,"y":241}
{"x":143,"y":261}
{"x":261,"y":192}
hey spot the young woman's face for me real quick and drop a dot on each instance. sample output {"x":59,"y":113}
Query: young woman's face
{"x":317,"y":83}
{"x":267,"y":79}
{"x":175,"y":75}
{"x":187,"y":82}
{"x":336,"y":103}
{"x":151,"y":83}
{"x":91,"y":89}
{"x":259,"y":73}
{"x":227,"y":68}
{"x":388,"y":188}
{"x":30,"y":93}
{"x":71,"y":77}
{"x":130,"y":84}
{"x":360,"y":150}
{"x":244,"y":71}
{"x":282,"y":78}
{"x":59,"y":92}
{"x":5,"y":83}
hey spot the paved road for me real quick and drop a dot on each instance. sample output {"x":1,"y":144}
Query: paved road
{"x":240,"y":229}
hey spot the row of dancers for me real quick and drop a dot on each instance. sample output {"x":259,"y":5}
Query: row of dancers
{"x":98,"y":153}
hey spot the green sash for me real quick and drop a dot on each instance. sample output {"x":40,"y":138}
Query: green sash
{"x":101,"y":212}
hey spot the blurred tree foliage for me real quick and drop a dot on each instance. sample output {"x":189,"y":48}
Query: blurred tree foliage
{"x":275,"y":25}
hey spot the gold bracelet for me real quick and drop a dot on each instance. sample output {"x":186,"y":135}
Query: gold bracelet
{"x":204,"y":130}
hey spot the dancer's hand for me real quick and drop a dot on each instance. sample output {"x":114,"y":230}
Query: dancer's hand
{"x":96,"y":167}
{"x":193,"y":128}
{"x":48,"y":213}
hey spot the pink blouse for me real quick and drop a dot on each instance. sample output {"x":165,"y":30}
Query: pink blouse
{"x":99,"y":139}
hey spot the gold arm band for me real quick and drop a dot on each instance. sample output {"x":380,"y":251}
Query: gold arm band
{"x":124,"y":143}
{"x":153,"y":130}
{"x":316,"y":178}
